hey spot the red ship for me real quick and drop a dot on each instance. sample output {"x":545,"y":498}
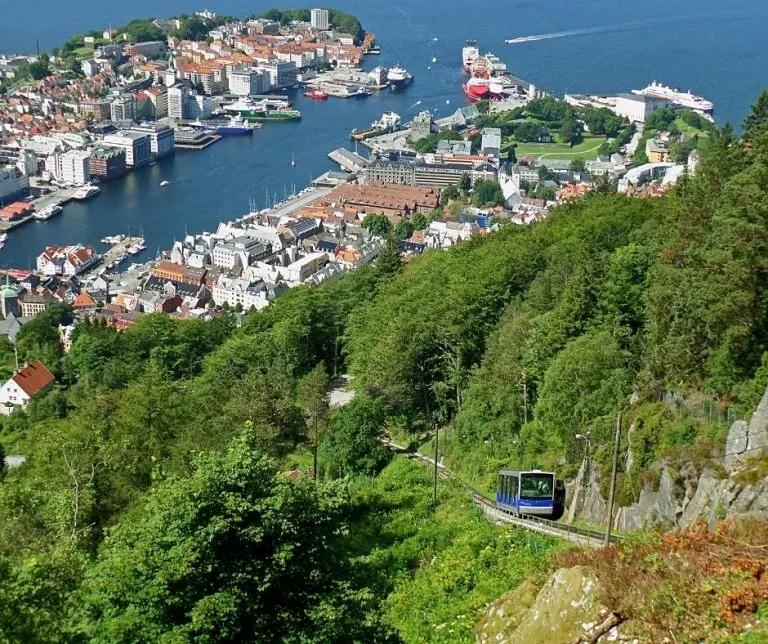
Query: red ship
{"x":317,"y":94}
{"x":476,"y":89}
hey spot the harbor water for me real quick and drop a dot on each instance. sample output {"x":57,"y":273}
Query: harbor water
{"x":588,"y":46}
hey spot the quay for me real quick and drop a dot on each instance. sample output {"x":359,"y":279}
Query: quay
{"x":348,"y":160}
{"x":332,"y":179}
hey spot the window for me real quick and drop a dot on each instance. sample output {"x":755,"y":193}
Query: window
{"x":537,"y":486}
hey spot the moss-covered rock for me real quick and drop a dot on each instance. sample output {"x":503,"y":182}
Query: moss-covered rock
{"x":565,"y":610}
{"x":505,"y":614}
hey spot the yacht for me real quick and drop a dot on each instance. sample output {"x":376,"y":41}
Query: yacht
{"x":164,"y":183}
{"x":86,"y":192}
{"x":48,"y":212}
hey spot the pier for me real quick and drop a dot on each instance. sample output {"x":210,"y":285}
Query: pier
{"x":119,"y":252}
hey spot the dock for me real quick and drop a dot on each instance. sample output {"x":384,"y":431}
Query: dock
{"x":119,"y":252}
{"x":348,"y":160}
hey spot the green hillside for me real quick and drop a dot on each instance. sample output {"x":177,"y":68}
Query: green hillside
{"x":168,"y":490}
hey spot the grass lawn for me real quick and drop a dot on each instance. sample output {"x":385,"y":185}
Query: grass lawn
{"x":586,"y":150}
{"x":688,"y":130}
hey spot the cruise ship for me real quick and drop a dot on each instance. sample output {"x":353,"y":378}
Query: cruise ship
{"x":683,"y":99}
{"x":399,"y":78}
{"x":469,"y":55}
{"x":86,"y":192}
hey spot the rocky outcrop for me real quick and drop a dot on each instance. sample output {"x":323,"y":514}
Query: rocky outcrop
{"x":566,"y":609}
{"x":745,"y":441}
{"x":682,"y":498}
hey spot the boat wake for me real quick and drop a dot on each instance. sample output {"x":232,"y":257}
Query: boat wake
{"x":558,"y":34}
{"x":625,"y":26}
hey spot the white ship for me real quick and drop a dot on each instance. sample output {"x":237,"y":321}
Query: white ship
{"x":387,"y":120}
{"x":399,"y":78}
{"x":469,"y":55}
{"x":86,"y":192}
{"x":683,"y":99}
{"x":47,"y":213}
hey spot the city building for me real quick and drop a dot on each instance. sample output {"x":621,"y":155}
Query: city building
{"x":199,"y":106}
{"x":161,"y":138}
{"x":656,"y":151}
{"x":32,"y":304}
{"x":490,"y":143}
{"x":27,"y":163}
{"x":74,"y":168}
{"x":107,"y":163}
{"x":417,"y":172}
{"x":636,"y":107}
{"x":90,"y":67}
{"x":281,"y":73}
{"x":99,"y":109}
{"x":123,"y":108}
{"x":177,"y":101}
{"x":148,"y":49}
{"x":9,"y":300}
{"x":13,"y":184}
{"x":33,"y":379}
{"x":319,"y":19}
{"x":301,"y":269}
{"x":137,"y":146}
{"x":235,"y":291}
{"x":249,"y":82}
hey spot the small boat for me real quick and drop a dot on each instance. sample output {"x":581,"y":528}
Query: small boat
{"x":47,"y":213}
{"x":293,"y":161}
{"x":435,"y":39}
{"x":317,"y":94}
{"x":434,"y":60}
{"x":3,"y":237}
{"x":428,"y":67}
{"x":164,"y":183}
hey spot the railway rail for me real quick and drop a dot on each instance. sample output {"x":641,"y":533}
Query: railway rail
{"x":576,"y":535}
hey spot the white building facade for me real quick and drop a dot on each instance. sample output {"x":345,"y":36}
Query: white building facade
{"x":319,"y":19}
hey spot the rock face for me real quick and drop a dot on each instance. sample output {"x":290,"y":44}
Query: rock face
{"x":680,"y":500}
{"x":745,"y":440}
{"x":566,"y":609}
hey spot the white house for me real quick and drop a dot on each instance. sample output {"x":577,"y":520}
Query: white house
{"x":18,"y":391}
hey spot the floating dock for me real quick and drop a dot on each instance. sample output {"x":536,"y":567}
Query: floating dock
{"x":119,"y":252}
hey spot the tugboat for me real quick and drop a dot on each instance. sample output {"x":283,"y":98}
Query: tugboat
{"x":317,"y":94}
{"x":399,"y":78}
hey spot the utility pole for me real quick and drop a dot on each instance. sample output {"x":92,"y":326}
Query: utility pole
{"x":612,"y":491}
{"x":434,"y":491}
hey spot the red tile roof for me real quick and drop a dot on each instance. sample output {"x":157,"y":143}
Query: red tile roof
{"x":34,"y":378}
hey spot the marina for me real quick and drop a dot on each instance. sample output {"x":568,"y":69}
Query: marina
{"x":121,"y":249}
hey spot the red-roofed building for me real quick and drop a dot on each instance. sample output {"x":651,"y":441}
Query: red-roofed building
{"x":29,"y":381}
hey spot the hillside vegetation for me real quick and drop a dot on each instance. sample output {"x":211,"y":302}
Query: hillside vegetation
{"x":152,"y":503}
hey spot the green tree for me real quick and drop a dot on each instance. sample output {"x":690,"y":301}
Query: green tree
{"x":420,"y":221}
{"x":577,"y":165}
{"x":379,"y":225}
{"x":757,"y":119}
{"x":404,"y":229}
{"x":450,"y":193}
{"x":389,"y":262}
{"x":352,"y":445}
{"x":312,"y":396}
{"x":487,"y":193}
{"x":230,"y":553}
{"x":465,"y":183}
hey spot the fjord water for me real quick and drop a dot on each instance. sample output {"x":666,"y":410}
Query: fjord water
{"x":715,"y":49}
